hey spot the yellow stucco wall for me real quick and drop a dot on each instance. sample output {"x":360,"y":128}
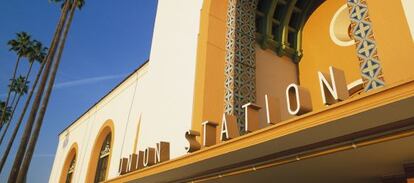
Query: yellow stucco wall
{"x":391,"y":32}
{"x":209,"y":86}
{"x":392,"y":35}
{"x":320,"y":52}
{"x":273,"y":75}
{"x":394,"y":42}
{"x":73,"y":153}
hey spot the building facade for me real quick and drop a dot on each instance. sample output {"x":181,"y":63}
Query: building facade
{"x":257,"y":90}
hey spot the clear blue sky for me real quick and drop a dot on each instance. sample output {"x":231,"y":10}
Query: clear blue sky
{"x":108,"y":40}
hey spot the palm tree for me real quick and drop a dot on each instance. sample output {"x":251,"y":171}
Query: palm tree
{"x":39,"y":94}
{"x":39,"y":57}
{"x":36,"y":131}
{"x":13,"y":87}
{"x":5,"y":111}
{"x":20,"y":87}
{"x":34,"y":52}
{"x":32,"y":49}
{"x":20,"y":45}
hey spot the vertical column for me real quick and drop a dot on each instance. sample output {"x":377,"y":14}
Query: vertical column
{"x":363,"y":33}
{"x":240,"y":70}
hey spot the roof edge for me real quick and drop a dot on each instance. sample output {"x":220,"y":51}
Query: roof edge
{"x":96,"y":103}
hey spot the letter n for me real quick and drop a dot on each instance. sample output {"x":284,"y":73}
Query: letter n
{"x":333,"y":89}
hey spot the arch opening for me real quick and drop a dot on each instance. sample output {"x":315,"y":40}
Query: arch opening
{"x":100,"y":158}
{"x":279,"y":25}
{"x":103,"y":159}
{"x":68,"y":169}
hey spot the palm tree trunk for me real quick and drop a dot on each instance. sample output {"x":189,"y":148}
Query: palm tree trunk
{"x":32,"y":116}
{"x":19,"y":122}
{"x":15,"y":105}
{"x":29,"y":71}
{"x":14,"y":99}
{"x":9,"y":92}
{"x":33,"y":140}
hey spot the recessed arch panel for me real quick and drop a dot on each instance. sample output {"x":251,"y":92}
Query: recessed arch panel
{"x":279,"y":25}
{"x":106,"y":130}
{"x":69,"y":165}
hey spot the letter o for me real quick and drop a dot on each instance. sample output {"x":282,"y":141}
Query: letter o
{"x":298,"y":100}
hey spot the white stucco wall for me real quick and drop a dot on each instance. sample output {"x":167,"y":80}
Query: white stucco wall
{"x":160,"y":94}
{"x":172,"y":75}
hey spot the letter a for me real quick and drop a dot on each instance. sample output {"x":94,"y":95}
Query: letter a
{"x":229,"y":129}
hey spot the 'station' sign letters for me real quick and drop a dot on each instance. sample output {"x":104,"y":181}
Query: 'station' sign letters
{"x":333,"y":89}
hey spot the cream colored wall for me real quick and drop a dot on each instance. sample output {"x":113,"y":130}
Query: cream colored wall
{"x":160,"y":94}
{"x":172,"y":76}
{"x":273,"y":75}
{"x":408,"y":6}
{"x":116,"y":106}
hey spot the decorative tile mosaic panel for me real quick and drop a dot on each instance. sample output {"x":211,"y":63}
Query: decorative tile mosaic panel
{"x":240,"y":71}
{"x":366,"y":47}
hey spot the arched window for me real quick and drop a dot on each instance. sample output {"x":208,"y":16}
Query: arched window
{"x":100,"y":157}
{"x":103,"y":159}
{"x":69,"y":174}
{"x":69,"y":165}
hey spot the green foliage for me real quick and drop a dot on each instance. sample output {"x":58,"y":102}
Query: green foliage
{"x":8,"y":112}
{"x":80,"y":4}
{"x":37,"y":52}
{"x":20,"y":45}
{"x":19,"y":85}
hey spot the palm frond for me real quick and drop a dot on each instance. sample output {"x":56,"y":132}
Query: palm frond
{"x":80,"y":4}
{"x":7,"y":110}
{"x":21,"y":44}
